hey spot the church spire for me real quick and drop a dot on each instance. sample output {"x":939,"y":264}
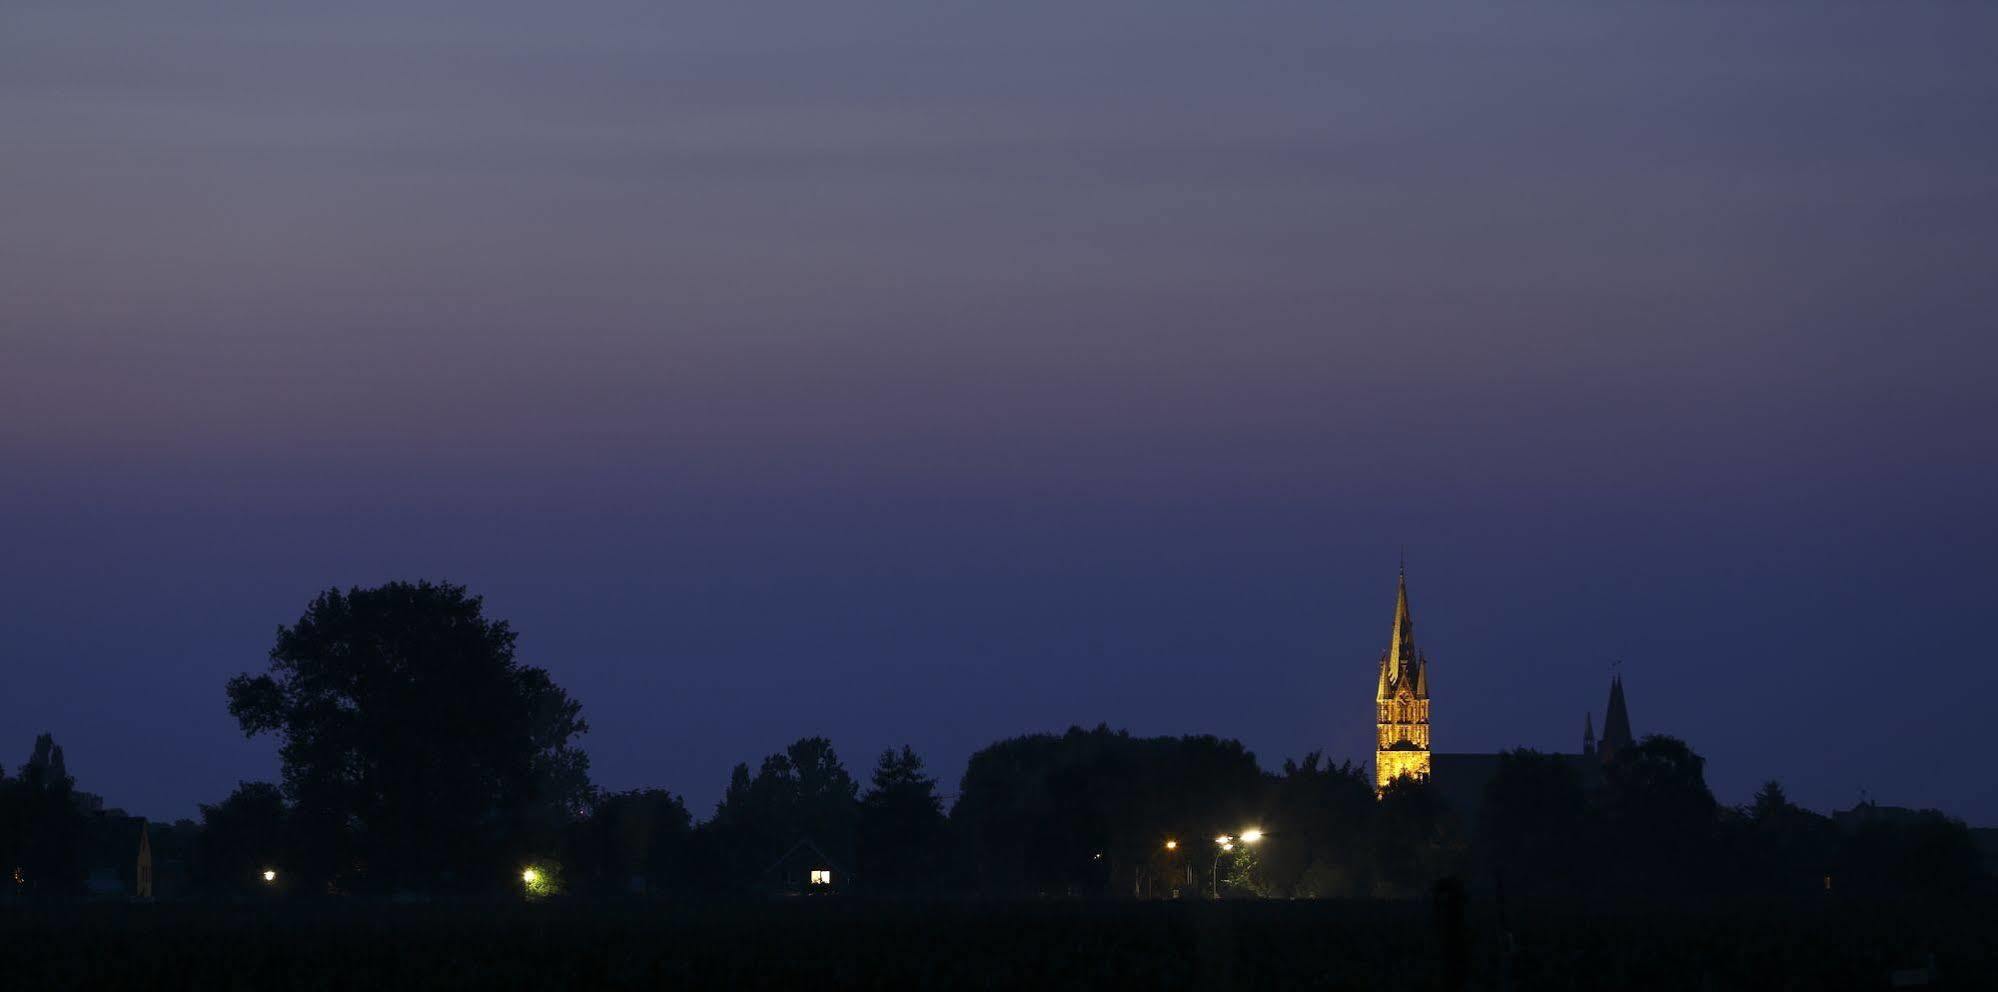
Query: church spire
{"x":1616,"y":722}
{"x":1588,"y":733}
{"x":1401,"y":646}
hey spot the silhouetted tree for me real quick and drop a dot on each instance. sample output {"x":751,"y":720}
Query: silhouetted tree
{"x":174,"y":855}
{"x":1659,"y":817}
{"x":1904,"y":853}
{"x":43,"y":828}
{"x":1776,"y":846}
{"x":1533,"y":826}
{"x":242,"y":837}
{"x":635,"y":841}
{"x":1416,"y":840}
{"x":902,"y":839}
{"x":1320,"y":814}
{"x":417,"y":750}
{"x":802,"y":793}
{"x":1089,"y":811}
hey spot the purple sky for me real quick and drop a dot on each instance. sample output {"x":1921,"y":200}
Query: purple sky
{"x":938,"y":372}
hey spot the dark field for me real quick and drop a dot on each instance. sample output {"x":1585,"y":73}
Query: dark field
{"x":1244,"y":945}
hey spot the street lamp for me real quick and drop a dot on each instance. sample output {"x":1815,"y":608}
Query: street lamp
{"x":1227,"y":843}
{"x":270,"y":875}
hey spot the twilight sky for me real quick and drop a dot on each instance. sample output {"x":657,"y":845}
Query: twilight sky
{"x":935,"y":372}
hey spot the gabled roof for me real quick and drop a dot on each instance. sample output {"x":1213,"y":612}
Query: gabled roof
{"x":807,"y":844}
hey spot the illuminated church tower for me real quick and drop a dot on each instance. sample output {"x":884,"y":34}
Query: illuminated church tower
{"x":1402,"y":747}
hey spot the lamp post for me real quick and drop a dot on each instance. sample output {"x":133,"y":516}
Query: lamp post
{"x":1227,"y":843}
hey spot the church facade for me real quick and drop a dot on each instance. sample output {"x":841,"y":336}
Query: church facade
{"x":1402,"y":744}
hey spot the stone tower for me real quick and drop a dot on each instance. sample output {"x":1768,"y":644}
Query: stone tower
{"x":1402,"y":699}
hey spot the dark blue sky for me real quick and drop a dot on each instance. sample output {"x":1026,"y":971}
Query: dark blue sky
{"x":937,"y":372}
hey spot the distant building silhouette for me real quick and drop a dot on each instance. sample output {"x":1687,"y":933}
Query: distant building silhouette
{"x":806,"y":869}
{"x":120,"y":857}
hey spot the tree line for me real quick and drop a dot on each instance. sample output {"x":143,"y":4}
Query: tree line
{"x":419,"y":755}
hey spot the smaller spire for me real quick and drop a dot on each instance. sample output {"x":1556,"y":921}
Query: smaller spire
{"x":1588,"y":733}
{"x":1401,"y":643}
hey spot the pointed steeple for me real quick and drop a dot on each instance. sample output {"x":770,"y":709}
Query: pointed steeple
{"x":1616,"y":722}
{"x":1588,"y":733}
{"x":1401,"y":645}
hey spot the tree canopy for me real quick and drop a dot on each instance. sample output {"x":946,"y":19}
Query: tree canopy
{"x":417,"y":751}
{"x":902,"y":830}
{"x":802,"y":793}
{"x":240,"y":838}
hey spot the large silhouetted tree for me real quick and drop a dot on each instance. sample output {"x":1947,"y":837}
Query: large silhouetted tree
{"x":1088,"y":811}
{"x":803,"y":793}
{"x":42,"y":827}
{"x":1779,"y":847}
{"x":632,"y":842}
{"x":1906,"y":853}
{"x":241,"y":837}
{"x":1320,"y":812}
{"x":1660,"y":819}
{"x":417,"y":751}
{"x":1416,"y":839}
{"x":901,"y":844}
{"x":1533,"y":826}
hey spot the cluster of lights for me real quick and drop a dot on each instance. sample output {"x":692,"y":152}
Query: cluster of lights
{"x":1227,"y":842}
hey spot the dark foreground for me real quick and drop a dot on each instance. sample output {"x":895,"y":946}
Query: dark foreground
{"x":826,"y":944}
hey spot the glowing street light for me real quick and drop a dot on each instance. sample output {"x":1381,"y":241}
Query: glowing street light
{"x":1227,"y":844}
{"x":529,"y":876}
{"x":270,"y":875}
{"x":1172,"y":845}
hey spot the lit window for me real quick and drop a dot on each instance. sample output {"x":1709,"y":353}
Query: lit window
{"x":821,"y":876}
